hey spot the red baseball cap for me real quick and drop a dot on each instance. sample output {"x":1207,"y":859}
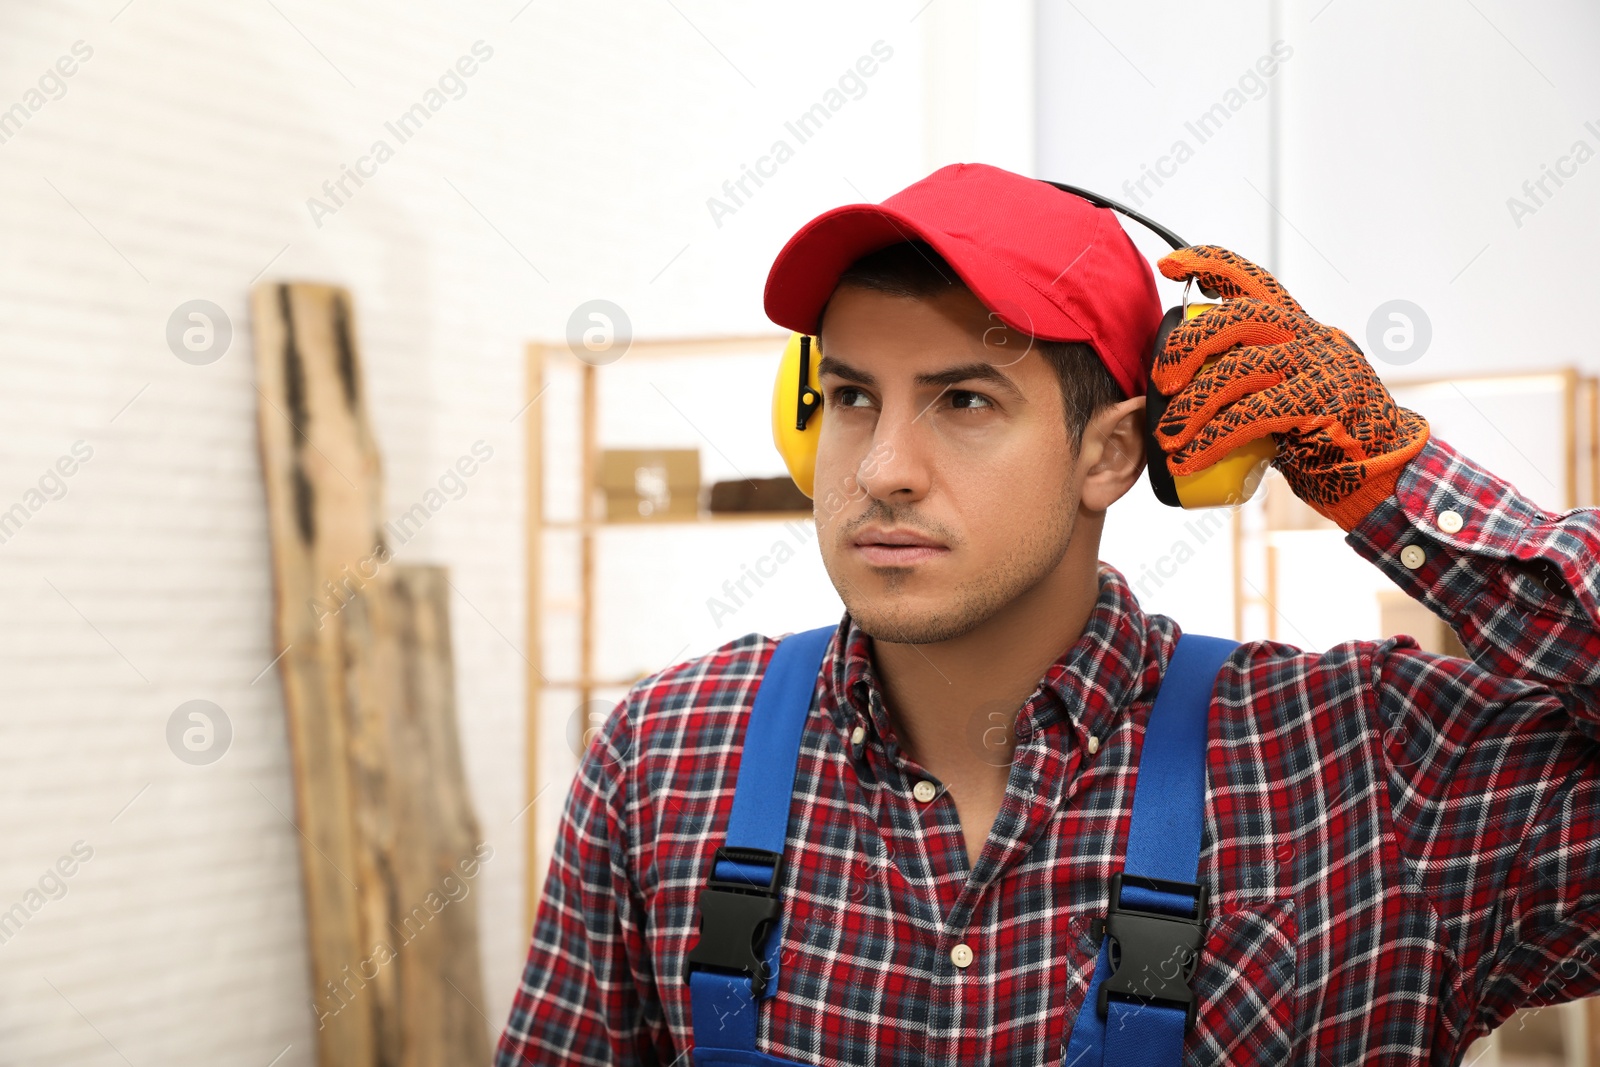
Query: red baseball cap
{"x":1047,"y":262}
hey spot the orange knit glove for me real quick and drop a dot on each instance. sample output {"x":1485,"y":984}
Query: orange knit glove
{"x":1342,"y":440}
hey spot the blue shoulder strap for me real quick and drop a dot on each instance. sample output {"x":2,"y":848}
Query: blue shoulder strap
{"x":1156,"y":914}
{"x":1139,"y":1012}
{"x":739,"y":903}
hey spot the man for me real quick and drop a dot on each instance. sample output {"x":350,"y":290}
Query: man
{"x":1402,"y":848}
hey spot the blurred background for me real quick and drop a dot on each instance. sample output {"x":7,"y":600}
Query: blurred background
{"x":539,"y":234}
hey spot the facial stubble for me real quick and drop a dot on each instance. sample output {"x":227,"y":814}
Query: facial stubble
{"x":886,"y":616}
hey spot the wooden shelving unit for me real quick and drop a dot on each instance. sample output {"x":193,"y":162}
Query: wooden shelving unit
{"x":581,"y":677}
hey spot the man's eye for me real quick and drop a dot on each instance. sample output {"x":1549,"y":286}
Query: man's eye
{"x":958,"y":395}
{"x":843,"y":395}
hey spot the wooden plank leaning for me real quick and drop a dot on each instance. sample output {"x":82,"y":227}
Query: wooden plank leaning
{"x":389,"y":844}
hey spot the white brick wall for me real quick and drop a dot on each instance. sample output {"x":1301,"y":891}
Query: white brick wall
{"x":176,"y":166}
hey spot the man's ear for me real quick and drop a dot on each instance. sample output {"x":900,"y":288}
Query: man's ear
{"x":1112,"y":455}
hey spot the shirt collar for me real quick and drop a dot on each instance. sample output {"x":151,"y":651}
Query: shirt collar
{"x":1116,"y":661}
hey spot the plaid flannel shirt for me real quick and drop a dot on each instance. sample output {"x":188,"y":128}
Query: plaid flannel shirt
{"x":1402,"y":847}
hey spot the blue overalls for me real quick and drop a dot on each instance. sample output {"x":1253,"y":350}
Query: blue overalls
{"x":1138,"y":1006}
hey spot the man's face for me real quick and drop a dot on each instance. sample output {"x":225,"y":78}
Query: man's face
{"x":939,"y":423}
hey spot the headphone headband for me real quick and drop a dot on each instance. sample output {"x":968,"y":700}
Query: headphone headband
{"x":1148,"y":223}
{"x":1105,"y":201}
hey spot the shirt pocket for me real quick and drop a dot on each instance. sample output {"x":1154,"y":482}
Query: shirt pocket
{"x":1246,"y":986}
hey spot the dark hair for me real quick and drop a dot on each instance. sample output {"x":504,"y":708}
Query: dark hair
{"x":914,"y":269}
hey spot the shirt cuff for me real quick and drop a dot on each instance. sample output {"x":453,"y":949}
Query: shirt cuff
{"x":1480,"y":554}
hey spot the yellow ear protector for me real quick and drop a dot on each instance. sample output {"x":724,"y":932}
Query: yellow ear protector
{"x":1233,"y":479}
{"x":797,"y":412}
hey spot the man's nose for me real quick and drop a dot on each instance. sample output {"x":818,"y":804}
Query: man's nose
{"x":898,"y":466}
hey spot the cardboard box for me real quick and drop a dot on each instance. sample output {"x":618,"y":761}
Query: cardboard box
{"x":650,"y":483}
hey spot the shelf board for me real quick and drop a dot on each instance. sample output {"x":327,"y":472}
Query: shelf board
{"x":709,"y":517}
{"x":768,"y":345}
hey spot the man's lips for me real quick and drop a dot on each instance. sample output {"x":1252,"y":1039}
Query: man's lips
{"x":896,"y":548}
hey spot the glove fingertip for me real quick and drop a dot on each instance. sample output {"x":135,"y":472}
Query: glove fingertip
{"x":1176,"y":265}
{"x":1170,"y":375}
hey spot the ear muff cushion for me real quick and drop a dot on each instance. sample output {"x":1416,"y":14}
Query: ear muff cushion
{"x":1161,"y":480}
{"x":797,"y":447}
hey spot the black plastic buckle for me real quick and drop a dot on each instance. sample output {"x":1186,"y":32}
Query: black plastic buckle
{"x":1156,"y":954}
{"x":735,"y":917}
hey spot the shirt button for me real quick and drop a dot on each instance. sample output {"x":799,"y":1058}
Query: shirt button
{"x":961,"y":956}
{"x":1094,"y":744}
{"x":1449,"y":521}
{"x":924,"y":790}
{"x":1413,"y":556}
{"x":857,"y":735}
